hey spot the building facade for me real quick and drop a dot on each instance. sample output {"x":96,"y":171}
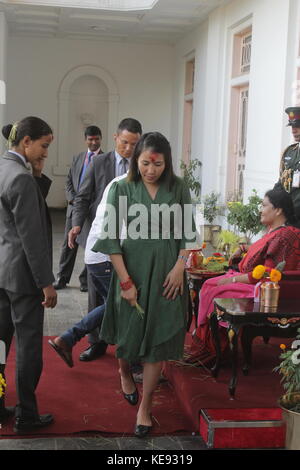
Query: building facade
{"x":218,"y":93}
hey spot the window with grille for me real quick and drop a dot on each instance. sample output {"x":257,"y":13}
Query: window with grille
{"x":188,"y":109}
{"x":246,"y":53}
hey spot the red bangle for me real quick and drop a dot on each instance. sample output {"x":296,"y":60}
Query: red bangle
{"x":126,"y":284}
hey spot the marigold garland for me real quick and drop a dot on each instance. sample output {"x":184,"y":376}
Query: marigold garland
{"x":258,"y":271}
{"x":2,"y":385}
{"x":275,"y":275}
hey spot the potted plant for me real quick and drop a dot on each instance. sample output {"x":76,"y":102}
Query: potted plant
{"x":227,"y":242}
{"x":289,"y":368}
{"x":191,"y":179}
{"x":246,"y":217}
{"x":210,"y":211}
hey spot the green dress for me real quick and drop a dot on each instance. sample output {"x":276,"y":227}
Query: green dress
{"x":160,"y":334}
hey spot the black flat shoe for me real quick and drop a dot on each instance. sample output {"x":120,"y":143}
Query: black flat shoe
{"x":141,"y":430}
{"x":93,"y":352}
{"x":132,"y":398}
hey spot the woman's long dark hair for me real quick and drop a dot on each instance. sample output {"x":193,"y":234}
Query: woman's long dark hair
{"x":32,"y":126}
{"x":157,"y":143}
{"x":280,"y":199}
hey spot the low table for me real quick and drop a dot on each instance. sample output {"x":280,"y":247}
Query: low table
{"x":195,"y":282}
{"x":283,"y":322}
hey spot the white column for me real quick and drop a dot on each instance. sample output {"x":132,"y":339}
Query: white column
{"x":3,"y":75}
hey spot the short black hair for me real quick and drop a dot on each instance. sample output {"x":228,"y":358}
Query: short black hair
{"x":280,"y":199}
{"x":130,"y":125}
{"x":92,"y":130}
{"x":158,"y":143}
{"x":32,"y":126}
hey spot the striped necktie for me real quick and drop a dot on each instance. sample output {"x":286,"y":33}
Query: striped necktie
{"x":87,"y":161}
{"x":123,"y":166}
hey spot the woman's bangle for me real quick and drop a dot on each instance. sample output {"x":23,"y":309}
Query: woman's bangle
{"x":185,"y":258}
{"x":126,"y":285}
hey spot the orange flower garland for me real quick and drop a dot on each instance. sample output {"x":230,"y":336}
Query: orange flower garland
{"x":274,"y":274}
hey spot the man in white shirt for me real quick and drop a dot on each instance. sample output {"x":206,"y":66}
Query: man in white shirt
{"x":99,"y":268}
{"x":102,"y":170}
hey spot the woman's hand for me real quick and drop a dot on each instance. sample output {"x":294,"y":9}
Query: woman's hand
{"x":37,"y":167}
{"x":236,"y":254}
{"x":130,"y":295}
{"x":174,"y":282}
{"x":225,"y":280}
{"x":243,"y":278}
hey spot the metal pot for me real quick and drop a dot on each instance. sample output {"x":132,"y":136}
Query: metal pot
{"x":292,"y":420}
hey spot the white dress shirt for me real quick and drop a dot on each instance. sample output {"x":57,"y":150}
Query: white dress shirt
{"x":90,"y":257}
{"x":119,"y":164}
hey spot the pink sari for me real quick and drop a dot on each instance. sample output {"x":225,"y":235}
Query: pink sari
{"x":210,"y":291}
{"x":274,"y":247}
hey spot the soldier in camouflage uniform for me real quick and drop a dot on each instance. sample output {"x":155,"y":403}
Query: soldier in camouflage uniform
{"x":289,"y":176}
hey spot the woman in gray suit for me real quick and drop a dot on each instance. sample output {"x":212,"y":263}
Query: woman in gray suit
{"x":26,"y":267}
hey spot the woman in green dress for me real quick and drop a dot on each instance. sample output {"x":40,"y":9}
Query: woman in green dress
{"x":148,"y":268}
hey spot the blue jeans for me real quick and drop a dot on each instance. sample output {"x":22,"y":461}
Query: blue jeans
{"x":100,"y":275}
{"x":91,"y":321}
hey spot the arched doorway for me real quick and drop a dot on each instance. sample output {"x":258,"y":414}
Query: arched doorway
{"x":87,"y":95}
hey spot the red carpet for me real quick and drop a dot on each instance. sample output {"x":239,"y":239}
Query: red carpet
{"x":198,"y":390}
{"x":87,"y":399}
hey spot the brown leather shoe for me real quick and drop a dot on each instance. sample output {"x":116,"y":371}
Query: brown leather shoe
{"x":64,"y":351}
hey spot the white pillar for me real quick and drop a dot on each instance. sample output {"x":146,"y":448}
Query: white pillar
{"x":3,"y":75}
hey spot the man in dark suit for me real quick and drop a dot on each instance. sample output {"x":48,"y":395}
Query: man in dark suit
{"x":80,"y":164}
{"x":102,"y":170}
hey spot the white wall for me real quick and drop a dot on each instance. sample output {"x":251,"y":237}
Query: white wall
{"x":3,"y":59}
{"x":266,"y":117}
{"x":273,"y":68}
{"x":37,"y":66}
{"x":193,"y":45}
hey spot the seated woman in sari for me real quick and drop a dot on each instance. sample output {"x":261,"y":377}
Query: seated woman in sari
{"x":281,"y":242}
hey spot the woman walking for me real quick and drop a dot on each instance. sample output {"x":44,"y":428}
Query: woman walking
{"x":149,"y":270}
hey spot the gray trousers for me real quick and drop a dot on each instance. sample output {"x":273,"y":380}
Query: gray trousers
{"x":68,"y":258}
{"x":24,"y":315}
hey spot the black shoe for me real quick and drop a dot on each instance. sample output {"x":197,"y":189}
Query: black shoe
{"x":83,"y":289}
{"x":141,"y":430}
{"x":60,"y":283}
{"x":6,"y":413}
{"x":23,"y":426}
{"x":132,"y":398}
{"x":93,"y":352}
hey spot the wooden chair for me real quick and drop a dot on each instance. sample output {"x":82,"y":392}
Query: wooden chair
{"x":289,"y":289}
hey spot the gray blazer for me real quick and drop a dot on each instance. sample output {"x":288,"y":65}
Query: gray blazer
{"x":99,"y":173}
{"x":25,"y":242}
{"x":73,"y":178}
{"x":72,"y":182}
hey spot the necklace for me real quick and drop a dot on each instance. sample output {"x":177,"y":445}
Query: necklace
{"x":276,"y":228}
